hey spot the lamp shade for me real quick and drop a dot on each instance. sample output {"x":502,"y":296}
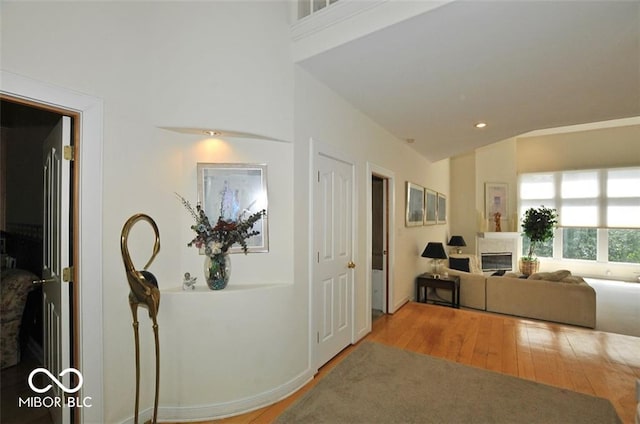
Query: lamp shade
{"x":434,"y":251}
{"x":456,"y":241}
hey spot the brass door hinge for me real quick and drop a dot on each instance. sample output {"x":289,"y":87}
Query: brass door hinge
{"x":67,"y":274}
{"x":69,"y":152}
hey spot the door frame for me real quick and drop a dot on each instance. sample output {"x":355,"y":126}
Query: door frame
{"x":87,"y":220}
{"x":389,"y":176}
{"x":318,"y":148}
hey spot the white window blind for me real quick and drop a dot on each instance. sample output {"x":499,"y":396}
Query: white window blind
{"x":599,"y":198}
{"x":537,"y":190}
{"x":579,"y":199}
{"x":623,"y":198}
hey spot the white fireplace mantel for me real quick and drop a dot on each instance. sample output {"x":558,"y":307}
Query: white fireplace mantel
{"x":500,"y":242}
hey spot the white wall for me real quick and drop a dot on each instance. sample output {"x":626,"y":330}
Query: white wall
{"x":215,"y":64}
{"x":464,"y":212}
{"x":211,"y":65}
{"x":324,"y":116}
{"x":597,"y":148}
{"x":495,"y":164}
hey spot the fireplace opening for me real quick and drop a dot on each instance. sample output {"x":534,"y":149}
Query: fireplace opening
{"x":499,"y":261}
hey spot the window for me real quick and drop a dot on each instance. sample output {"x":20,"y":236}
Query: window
{"x":543,"y":250}
{"x":580,"y":243}
{"x":598,"y":212}
{"x":624,"y":245}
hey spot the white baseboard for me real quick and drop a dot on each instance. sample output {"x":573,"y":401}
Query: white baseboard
{"x":400,"y":304}
{"x":227,"y":409}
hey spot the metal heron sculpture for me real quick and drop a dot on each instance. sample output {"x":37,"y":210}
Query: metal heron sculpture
{"x":144,"y":292}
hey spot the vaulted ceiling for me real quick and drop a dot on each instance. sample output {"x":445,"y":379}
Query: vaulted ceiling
{"x":516,"y":65}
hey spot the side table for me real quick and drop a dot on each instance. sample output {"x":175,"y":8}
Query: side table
{"x":427,"y":280}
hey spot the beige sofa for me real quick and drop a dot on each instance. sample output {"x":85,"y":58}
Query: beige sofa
{"x":557,"y":297}
{"x":568,"y":302}
{"x":472,"y":284}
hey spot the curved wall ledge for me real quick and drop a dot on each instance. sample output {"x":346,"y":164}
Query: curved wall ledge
{"x":200,"y":288}
{"x":230,"y":351}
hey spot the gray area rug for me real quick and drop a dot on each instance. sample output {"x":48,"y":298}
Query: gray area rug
{"x":381,"y":384}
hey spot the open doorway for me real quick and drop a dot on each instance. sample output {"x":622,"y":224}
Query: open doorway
{"x":24,"y":129}
{"x":379,"y":246}
{"x":380,"y":241}
{"x":87,"y":113}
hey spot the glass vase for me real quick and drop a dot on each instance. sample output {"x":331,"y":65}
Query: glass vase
{"x":217,"y":270}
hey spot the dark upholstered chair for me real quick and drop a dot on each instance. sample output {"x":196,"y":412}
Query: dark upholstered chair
{"x":15,"y":285}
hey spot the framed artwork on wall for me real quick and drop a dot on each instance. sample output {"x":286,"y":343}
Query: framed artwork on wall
{"x":431,"y":207}
{"x":496,"y":201}
{"x":231,"y":191}
{"x":415,"y":205}
{"x":442,"y":208}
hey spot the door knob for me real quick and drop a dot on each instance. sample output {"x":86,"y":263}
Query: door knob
{"x":351,"y":265}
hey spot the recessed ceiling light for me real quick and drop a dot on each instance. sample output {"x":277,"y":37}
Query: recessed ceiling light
{"x":481,"y":125}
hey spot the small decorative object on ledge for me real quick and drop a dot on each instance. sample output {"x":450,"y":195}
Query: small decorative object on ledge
{"x":217,"y":270}
{"x":189,"y":282}
{"x":216,"y":241}
{"x":496,"y":218}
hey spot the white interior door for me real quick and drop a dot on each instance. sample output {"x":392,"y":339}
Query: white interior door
{"x":334,"y":269}
{"x":57,"y":340}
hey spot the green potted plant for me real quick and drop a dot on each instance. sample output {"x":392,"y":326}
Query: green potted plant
{"x":538,"y":225}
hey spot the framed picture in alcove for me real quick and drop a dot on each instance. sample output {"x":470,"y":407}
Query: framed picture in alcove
{"x":230,"y":191}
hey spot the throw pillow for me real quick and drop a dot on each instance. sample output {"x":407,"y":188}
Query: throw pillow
{"x":459,"y":264}
{"x":474,"y":267}
{"x":574,"y":279}
{"x":550,"y":276}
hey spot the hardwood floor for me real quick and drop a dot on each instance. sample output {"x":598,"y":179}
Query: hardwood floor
{"x":592,"y":362}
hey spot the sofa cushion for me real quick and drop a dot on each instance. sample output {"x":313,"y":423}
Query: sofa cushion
{"x":551,"y":276}
{"x":573,"y":279}
{"x":460,"y":264}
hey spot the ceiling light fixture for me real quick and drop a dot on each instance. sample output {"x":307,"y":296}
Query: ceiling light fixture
{"x":213,"y":133}
{"x":481,"y":125}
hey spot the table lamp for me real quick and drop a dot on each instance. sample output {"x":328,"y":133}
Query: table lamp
{"x":457,"y":242}
{"x":436,"y":252}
